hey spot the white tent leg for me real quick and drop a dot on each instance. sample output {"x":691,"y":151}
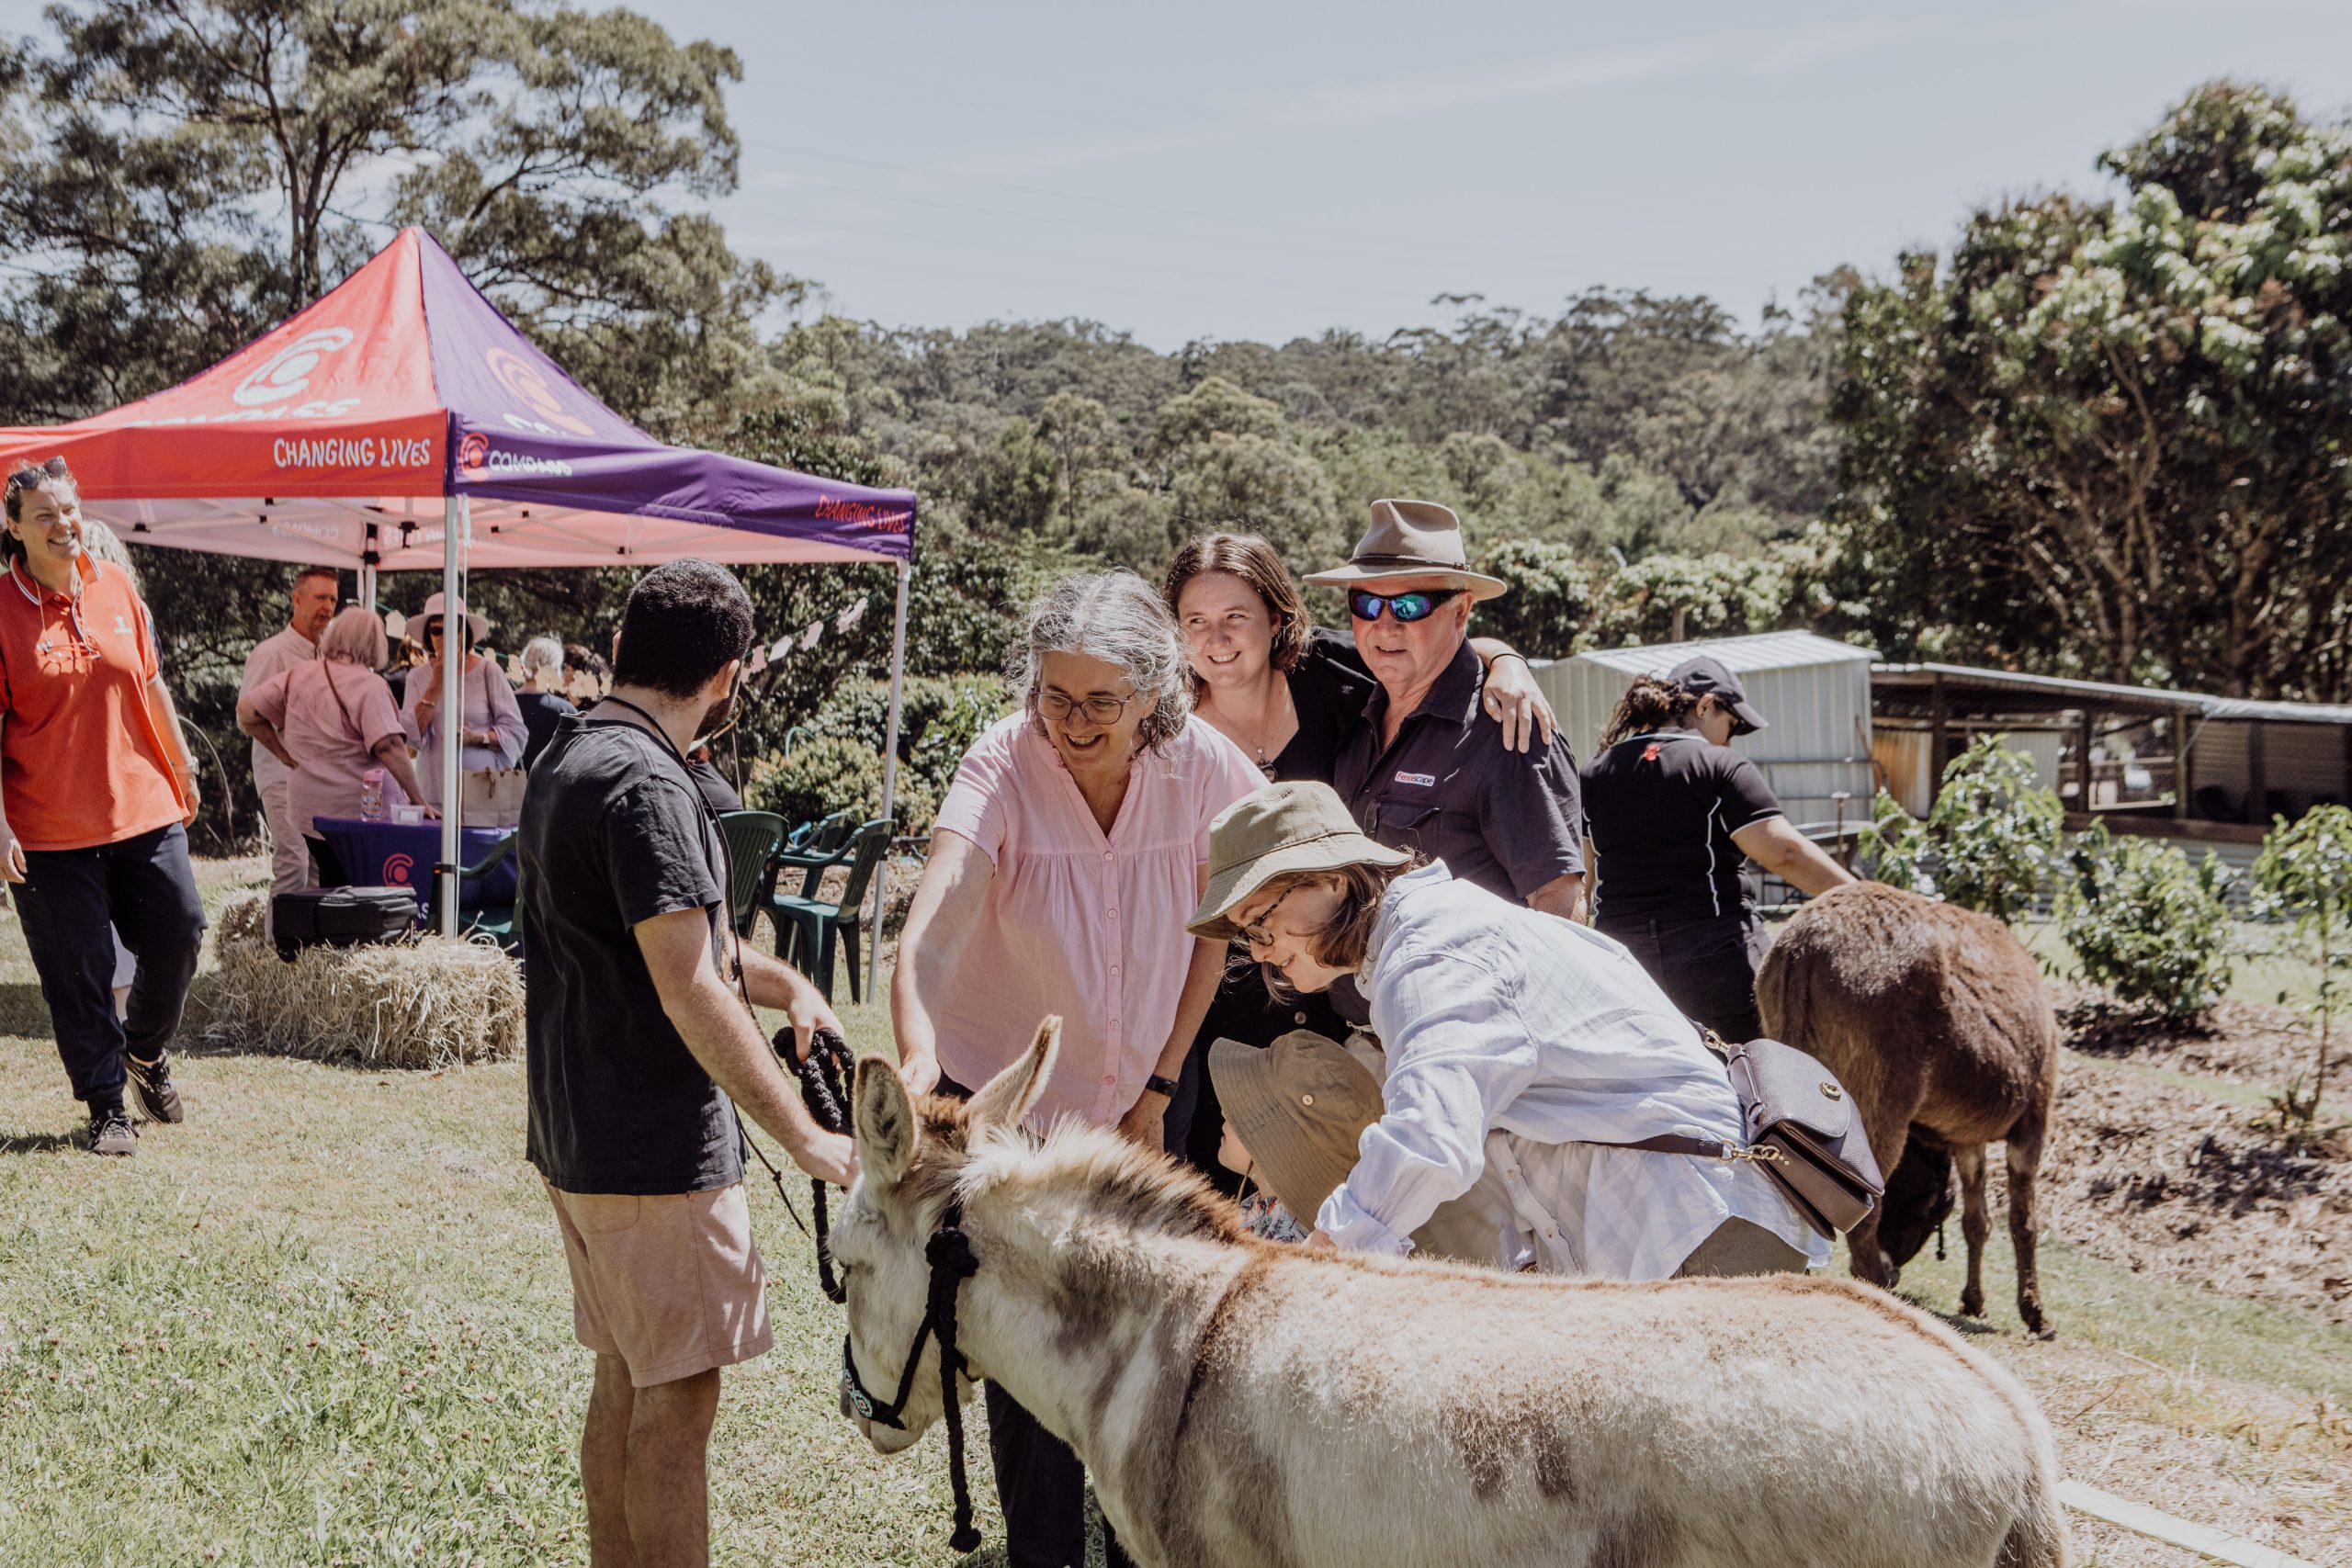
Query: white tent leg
{"x":455,"y":531}
{"x":367,"y":587}
{"x":890,"y":786}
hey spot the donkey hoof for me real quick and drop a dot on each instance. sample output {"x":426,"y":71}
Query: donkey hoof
{"x":1971,"y":1304}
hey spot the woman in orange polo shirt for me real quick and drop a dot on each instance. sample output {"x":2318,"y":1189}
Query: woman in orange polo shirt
{"x":96,"y":790}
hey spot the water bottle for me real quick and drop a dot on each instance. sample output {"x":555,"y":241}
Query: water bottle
{"x":371,"y":794}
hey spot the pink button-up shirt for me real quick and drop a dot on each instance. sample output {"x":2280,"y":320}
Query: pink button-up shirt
{"x":1089,"y":927}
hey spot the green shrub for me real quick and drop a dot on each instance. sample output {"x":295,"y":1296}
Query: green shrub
{"x":1988,"y":841}
{"x":939,"y":717}
{"x":828,"y":775}
{"x":2145,"y":924}
{"x":1895,"y":846}
{"x":2303,"y":878}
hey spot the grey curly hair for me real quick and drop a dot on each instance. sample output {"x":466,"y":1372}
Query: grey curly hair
{"x":1113,"y":616}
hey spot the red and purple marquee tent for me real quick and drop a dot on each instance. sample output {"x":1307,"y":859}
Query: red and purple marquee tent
{"x":402,"y":423}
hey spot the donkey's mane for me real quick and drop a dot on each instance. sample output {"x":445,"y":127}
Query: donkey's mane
{"x":1117,"y":1180}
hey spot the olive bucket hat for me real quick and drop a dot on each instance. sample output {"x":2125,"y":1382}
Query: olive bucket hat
{"x":1282,"y":828}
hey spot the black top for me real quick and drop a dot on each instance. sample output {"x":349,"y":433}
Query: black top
{"x":1662,"y":809}
{"x":612,"y":835}
{"x":540,"y":712}
{"x":716,"y":791}
{"x":1451,"y":789}
{"x":1329,"y":687}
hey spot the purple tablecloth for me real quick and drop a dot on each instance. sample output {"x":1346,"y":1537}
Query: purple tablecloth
{"x":401,"y":854}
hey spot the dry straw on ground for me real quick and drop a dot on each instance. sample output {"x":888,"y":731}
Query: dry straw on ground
{"x":419,"y":1003}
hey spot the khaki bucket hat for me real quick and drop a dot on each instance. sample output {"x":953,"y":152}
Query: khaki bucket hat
{"x":1300,"y":1106}
{"x":1297,"y":825}
{"x":1411,"y":538}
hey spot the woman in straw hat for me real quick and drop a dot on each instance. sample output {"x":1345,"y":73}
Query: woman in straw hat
{"x":1520,"y":1049}
{"x":491,"y":729}
{"x":1063,"y":864}
{"x":1288,"y":693}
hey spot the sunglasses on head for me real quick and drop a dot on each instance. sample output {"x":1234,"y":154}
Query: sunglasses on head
{"x":1415,"y":605}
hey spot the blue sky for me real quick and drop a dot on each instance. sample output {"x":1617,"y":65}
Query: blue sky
{"x":1214,"y":170}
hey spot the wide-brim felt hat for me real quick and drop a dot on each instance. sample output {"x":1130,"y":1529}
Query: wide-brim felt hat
{"x":1291,"y":826}
{"x":477,"y":625}
{"x":1411,"y":538}
{"x":1300,"y":1107}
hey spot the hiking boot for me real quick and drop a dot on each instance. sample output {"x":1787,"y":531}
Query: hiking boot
{"x":110,"y":1133}
{"x":153,"y":1080}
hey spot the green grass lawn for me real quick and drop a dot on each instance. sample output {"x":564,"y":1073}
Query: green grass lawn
{"x":327,"y":1322}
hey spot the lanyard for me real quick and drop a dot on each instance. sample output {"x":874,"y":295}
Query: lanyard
{"x":77,"y":637}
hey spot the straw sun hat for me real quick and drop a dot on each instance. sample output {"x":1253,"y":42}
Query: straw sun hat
{"x":1282,"y":828}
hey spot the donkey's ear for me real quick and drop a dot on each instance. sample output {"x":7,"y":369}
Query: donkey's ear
{"x":885,"y":1122}
{"x":1012,"y":1094}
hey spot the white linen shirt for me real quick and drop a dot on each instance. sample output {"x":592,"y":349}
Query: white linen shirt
{"x":1498,"y":1020}
{"x":274,"y":655}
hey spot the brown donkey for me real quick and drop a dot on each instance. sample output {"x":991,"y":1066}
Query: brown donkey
{"x":1935,"y":1020}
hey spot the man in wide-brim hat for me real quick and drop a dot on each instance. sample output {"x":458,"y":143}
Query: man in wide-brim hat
{"x":1429,"y":770}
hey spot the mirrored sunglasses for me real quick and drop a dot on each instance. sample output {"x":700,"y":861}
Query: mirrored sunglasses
{"x":1413,"y":606}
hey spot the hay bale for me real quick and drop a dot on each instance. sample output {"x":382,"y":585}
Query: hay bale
{"x":422,"y":1002}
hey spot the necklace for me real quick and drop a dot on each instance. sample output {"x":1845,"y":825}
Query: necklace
{"x":1233,"y":728}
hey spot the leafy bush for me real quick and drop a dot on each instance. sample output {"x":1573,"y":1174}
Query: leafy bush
{"x":2145,"y":924}
{"x":829,"y":775}
{"x":939,"y":717}
{"x":1988,"y":841}
{"x":2304,"y":877}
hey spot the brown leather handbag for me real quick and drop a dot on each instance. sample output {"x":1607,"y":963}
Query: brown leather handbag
{"x":1801,"y":1128}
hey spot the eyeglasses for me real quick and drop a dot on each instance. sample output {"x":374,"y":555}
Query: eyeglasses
{"x":1415,"y":605}
{"x":1097,"y":710}
{"x":1255,"y":933}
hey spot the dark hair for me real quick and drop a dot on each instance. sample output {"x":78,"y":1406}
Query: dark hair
{"x":1250,"y":558}
{"x":1649,"y":703}
{"x":685,"y":621}
{"x":31,"y":476}
{"x":580,"y":656}
{"x":1343,"y":940}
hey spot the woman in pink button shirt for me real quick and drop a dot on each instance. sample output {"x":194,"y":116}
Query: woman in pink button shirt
{"x":1069,"y":852}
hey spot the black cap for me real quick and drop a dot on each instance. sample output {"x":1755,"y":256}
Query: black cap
{"x":1703,"y":677}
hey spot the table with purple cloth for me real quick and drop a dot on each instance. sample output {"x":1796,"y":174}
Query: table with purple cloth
{"x":383,"y":853}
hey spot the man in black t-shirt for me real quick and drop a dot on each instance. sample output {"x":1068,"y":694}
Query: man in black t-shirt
{"x":639,"y":1053}
{"x":1673,"y":813}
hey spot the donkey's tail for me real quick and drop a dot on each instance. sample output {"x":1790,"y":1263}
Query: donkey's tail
{"x":2039,"y":1538}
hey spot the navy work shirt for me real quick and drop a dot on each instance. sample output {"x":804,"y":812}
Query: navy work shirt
{"x":1448,"y":787}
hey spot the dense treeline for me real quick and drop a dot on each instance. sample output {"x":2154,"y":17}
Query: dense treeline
{"x":2102,"y":436}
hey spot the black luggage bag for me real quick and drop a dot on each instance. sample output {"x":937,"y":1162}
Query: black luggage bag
{"x":340,"y":916}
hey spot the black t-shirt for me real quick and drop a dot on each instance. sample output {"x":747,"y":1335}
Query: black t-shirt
{"x":1662,"y":809}
{"x":613,"y":834}
{"x":716,"y":791}
{"x":540,"y":711}
{"x":1329,"y":689}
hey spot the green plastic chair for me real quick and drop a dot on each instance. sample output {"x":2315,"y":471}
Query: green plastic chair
{"x":501,"y":924}
{"x":813,"y":848}
{"x":751,"y":837}
{"x":809,"y":932}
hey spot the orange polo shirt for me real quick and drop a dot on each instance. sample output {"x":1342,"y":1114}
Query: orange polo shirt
{"x":81,"y":763}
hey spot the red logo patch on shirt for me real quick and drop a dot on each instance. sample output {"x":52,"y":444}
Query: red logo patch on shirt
{"x":1649,"y":752}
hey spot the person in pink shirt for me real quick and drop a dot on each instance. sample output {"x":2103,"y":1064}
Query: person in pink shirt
{"x":1064,"y":861}
{"x":330,"y":720}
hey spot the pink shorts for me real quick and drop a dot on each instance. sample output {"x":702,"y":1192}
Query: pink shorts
{"x":672,"y":1283}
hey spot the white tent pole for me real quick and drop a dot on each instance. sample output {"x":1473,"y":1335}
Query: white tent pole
{"x":890,"y":786}
{"x":452,"y":713}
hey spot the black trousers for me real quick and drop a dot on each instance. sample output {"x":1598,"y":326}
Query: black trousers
{"x":71,"y":901}
{"x":1706,"y":965}
{"x":1040,"y":1481}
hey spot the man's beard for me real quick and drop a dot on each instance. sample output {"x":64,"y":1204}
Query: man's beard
{"x":714,"y":716}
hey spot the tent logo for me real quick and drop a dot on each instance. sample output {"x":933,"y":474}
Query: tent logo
{"x":397,"y":869}
{"x":474,"y":452}
{"x":532,"y":389}
{"x":284,"y":374}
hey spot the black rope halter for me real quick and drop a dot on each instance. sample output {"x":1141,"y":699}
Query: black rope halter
{"x":825,"y":1075}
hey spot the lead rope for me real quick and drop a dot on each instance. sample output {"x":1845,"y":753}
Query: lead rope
{"x":952,"y":1262}
{"x":824,"y":1075}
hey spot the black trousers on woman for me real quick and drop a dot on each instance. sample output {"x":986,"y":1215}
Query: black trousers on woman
{"x":72,"y":903}
{"x":1705,"y":964}
{"x":1040,"y":1481}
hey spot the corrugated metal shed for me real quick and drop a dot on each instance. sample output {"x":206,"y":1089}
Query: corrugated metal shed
{"x":1814,"y":691}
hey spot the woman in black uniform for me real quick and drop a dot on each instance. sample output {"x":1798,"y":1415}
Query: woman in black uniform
{"x":1670,"y":811}
{"x":1288,"y":693}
